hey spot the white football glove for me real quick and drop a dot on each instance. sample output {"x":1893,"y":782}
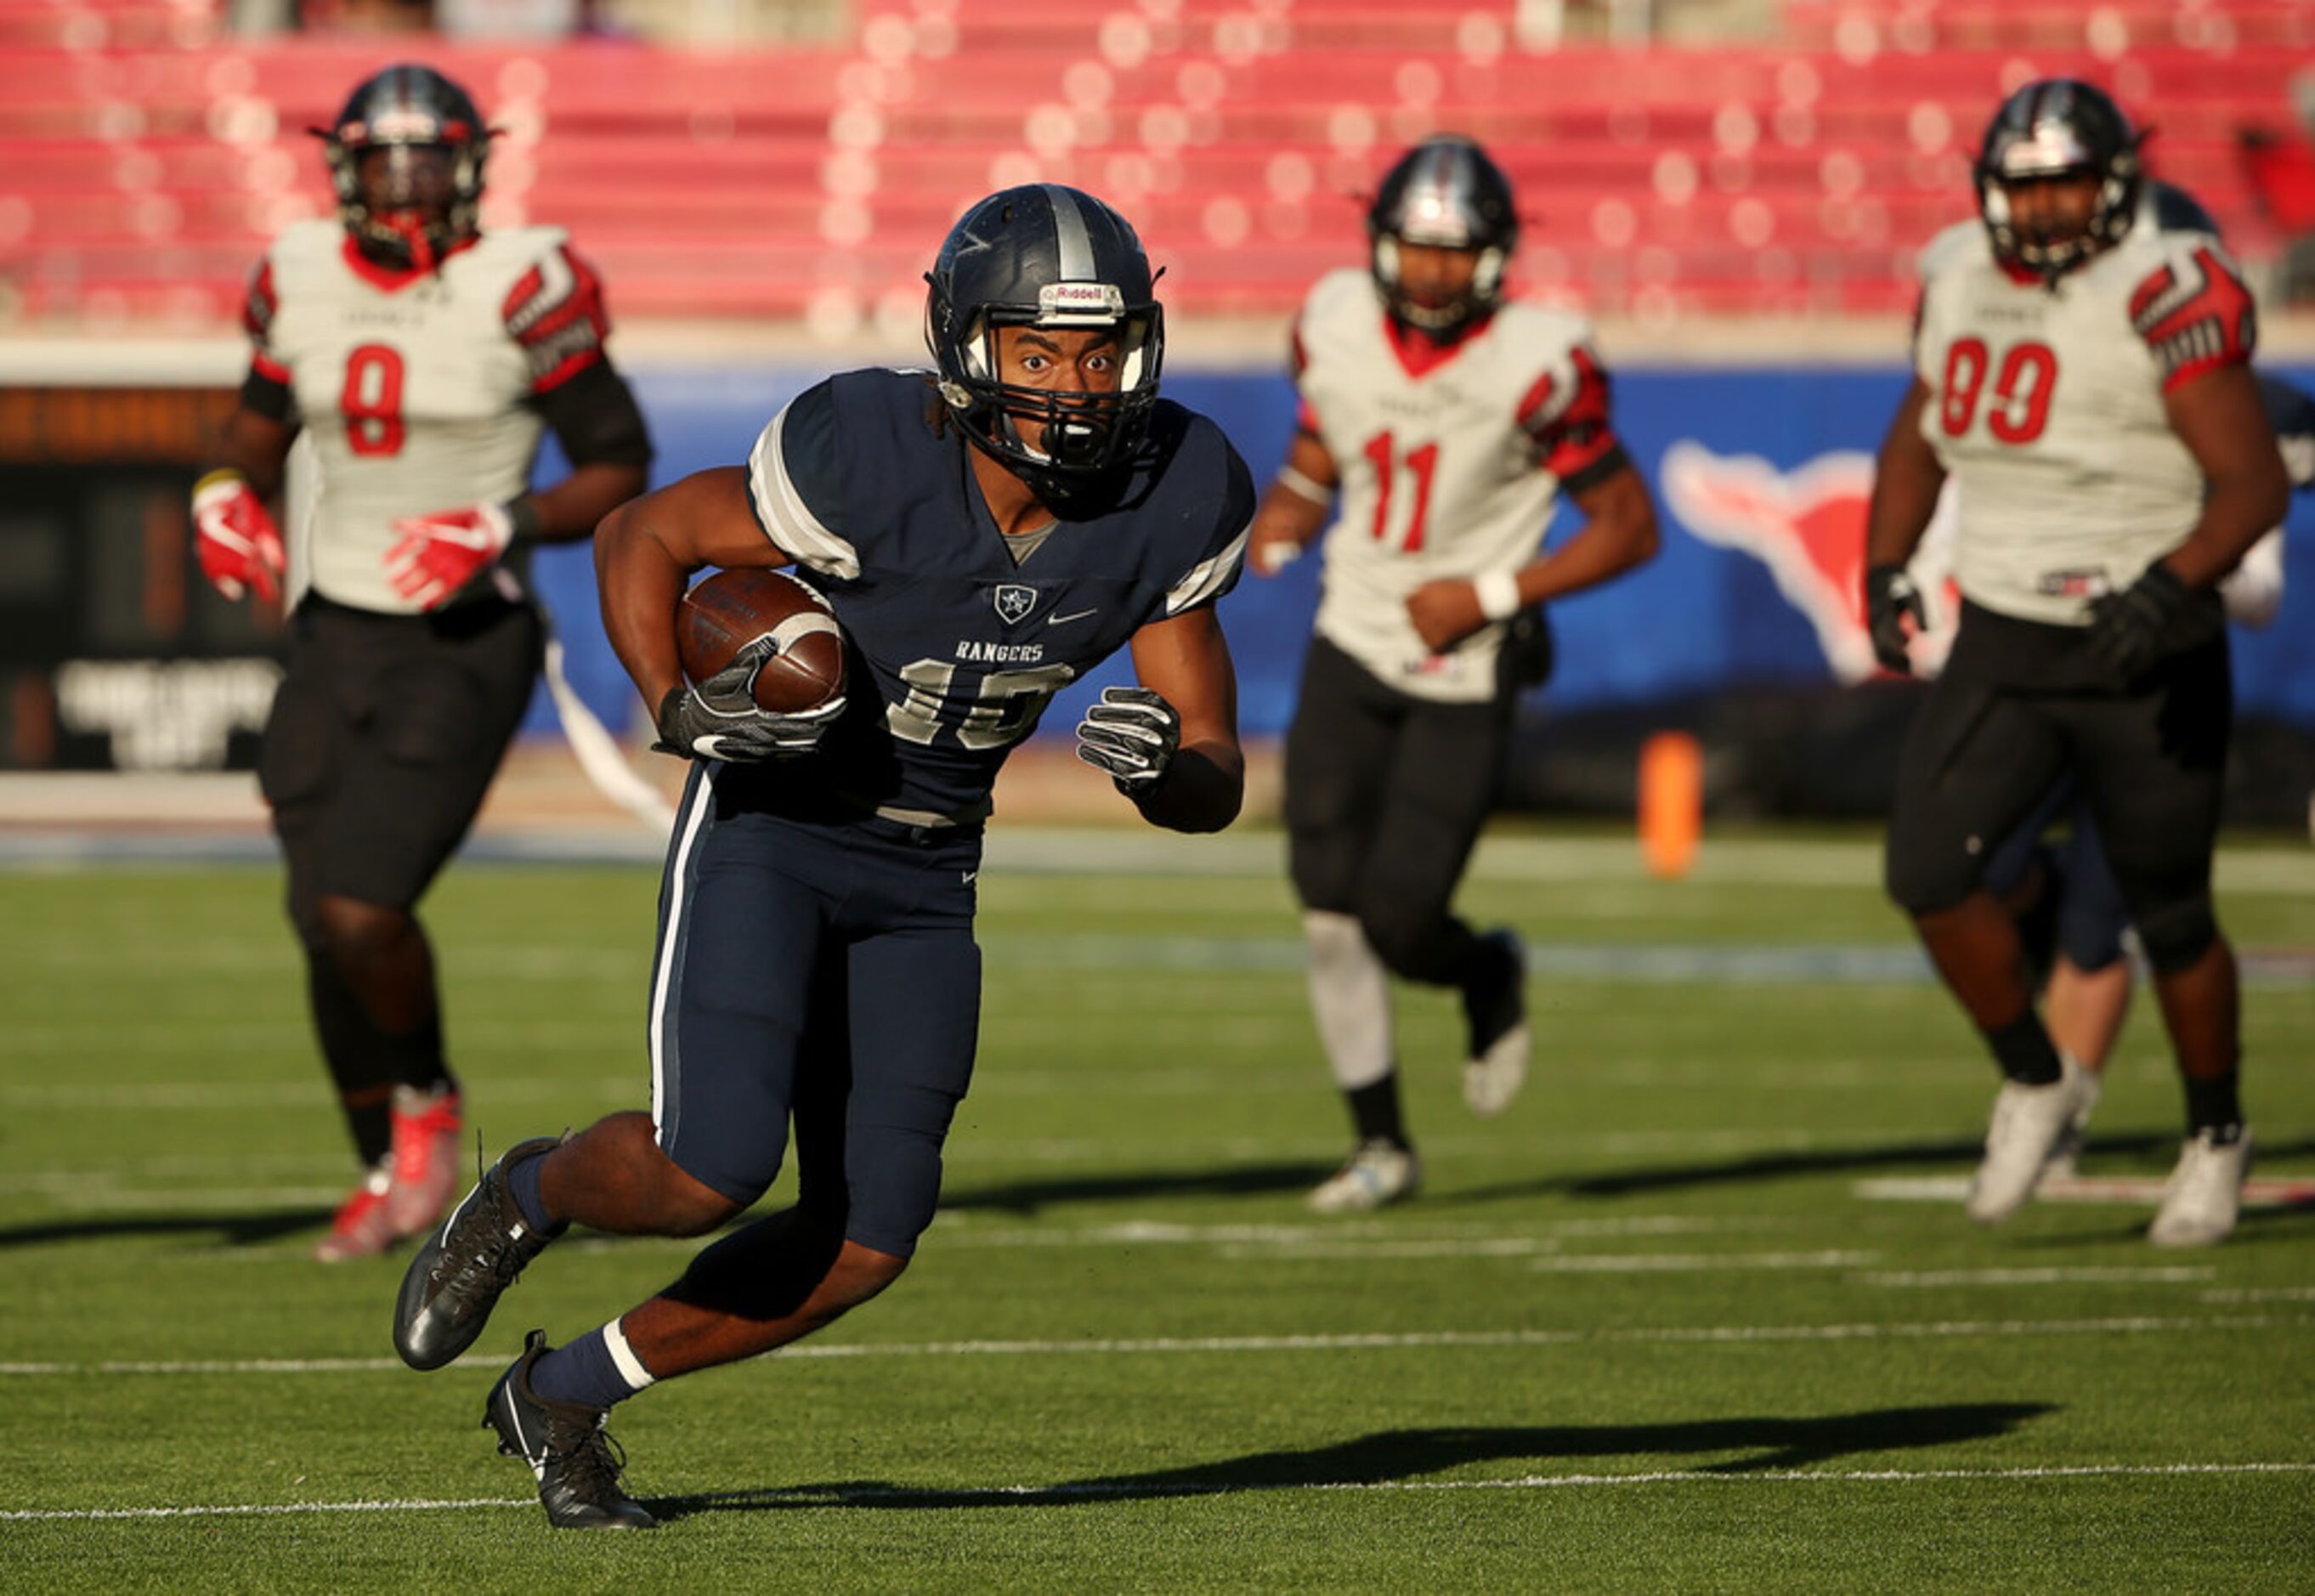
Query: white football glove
{"x":1133,"y":735}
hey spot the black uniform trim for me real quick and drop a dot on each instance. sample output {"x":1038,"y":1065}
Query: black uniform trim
{"x":267,"y":396}
{"x":1591,"y":477}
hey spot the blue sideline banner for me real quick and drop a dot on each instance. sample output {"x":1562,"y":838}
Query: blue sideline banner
{"x":1760,"y":475}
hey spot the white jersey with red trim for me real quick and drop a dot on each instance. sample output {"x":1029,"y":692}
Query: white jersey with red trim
{"x":411,"y":387}
{"x":2046,"y":405}
{"x":1449,"y":460}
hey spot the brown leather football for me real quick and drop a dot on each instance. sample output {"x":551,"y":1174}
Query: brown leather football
{"x":730,"y":609}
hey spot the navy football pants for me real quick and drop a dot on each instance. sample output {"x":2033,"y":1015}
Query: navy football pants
{"x":819,"y":967}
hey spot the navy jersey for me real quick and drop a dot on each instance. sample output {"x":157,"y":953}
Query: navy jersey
{"x":955,"y":649}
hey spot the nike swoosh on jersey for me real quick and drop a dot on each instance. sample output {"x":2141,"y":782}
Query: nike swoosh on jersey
{"x":1075,"y":615}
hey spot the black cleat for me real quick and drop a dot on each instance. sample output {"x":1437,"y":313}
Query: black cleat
{"x":454,"y":1280}
{"x":577,"y":1462}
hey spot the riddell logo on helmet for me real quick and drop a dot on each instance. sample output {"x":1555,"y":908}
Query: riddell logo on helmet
{"x":1100,"y":298}
{"x":1807,"y":526}
{"x":400,"y":122}
{"x":2053,"y":147}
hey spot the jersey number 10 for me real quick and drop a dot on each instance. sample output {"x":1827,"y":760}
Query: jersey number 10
{"x":2021,"y":390}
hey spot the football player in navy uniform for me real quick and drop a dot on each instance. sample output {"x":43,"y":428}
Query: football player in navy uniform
{"x":421,"y":358}
{"x":2084,"y":373}
{"x":985,"y":534}
{"x":1449,"y":421}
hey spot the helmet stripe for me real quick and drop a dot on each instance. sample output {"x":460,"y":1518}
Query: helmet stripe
{"x":1069,"y":234}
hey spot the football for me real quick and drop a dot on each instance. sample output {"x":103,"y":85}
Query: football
{"x":727,"y":611}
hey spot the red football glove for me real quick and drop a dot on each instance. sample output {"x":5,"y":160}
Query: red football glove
{"x":235,"y":537}
{"x":440,"y":552}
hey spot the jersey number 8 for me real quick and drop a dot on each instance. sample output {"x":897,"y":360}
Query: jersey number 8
{"x":372,"y":400}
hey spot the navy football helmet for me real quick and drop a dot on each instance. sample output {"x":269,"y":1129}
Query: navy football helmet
{"x":2057,"y":127}
{"x":1042,"y":255}
{"x":406,"y":157}
{"x":1444,"y":192}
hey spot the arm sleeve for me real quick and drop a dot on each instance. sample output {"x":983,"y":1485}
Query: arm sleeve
{"x":556,"y":312}
{"x":2194,"y":313}
{"x":795,"y":484}
{"x":266,"y":388}
{"x":1565,"y":416}
{"x":1298,"y":360}
{"x":595,"y":419}
{"x":1216,"y":571}
{"x":2291,"y":413}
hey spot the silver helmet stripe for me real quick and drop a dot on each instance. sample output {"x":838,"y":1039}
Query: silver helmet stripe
{"x":1069,"y":234}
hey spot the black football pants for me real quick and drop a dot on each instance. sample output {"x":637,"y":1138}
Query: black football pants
{"x":1385,"y":797}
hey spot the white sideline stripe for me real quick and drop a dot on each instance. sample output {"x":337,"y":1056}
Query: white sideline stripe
{"x":1113,"y":1488}
{"x":1706,"y":1335}
{"x":701,"y":805}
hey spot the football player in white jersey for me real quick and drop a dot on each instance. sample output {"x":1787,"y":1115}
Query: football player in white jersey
{"x":2082,"y":370}
{"x":2070,"y":912}
{"x":1449,"y":421}
{"x":421,"y":358}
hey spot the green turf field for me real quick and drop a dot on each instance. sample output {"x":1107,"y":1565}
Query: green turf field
{"x":1700,"y":1312}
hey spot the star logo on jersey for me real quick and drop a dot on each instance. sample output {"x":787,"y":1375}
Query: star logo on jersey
{"x":1013,"y":602}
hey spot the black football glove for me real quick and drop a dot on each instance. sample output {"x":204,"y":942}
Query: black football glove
{"x":719,"y":719}
{"x":1890,"y":596}
{"x":1133,"y":735}
{"x":2127,"y":629}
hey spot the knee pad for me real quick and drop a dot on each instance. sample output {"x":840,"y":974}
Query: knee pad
{"x":2178,"y":934}
{"x":305,"y":910}
{"x":1325,"y":870}
{"x":1415,"y":940}
{"x":1922,"y":882}
{"x":353,"y":929}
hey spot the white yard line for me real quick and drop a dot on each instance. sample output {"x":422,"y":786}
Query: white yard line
{"x":1703,"y":1334}
{"x":2054,"y":1276}
{"x":1075,"y":1490}
{"x":2285,"y":1191}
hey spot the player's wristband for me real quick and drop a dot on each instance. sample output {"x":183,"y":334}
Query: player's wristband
{"x":1499,"y":595}
{"x":522,"y":515}
{"x":1304,"y":487}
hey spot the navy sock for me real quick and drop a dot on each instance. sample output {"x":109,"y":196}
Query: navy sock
{"x":2022,"y":1047}
{"x":586,"y":1372}
{"x":522,"y":1182}
{"x":1374,"y":1112}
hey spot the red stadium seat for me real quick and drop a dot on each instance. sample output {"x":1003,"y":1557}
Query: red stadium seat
{"x":1796,"y":179}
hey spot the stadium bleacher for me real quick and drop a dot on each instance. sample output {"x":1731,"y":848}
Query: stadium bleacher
{"x":153,"y":153}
